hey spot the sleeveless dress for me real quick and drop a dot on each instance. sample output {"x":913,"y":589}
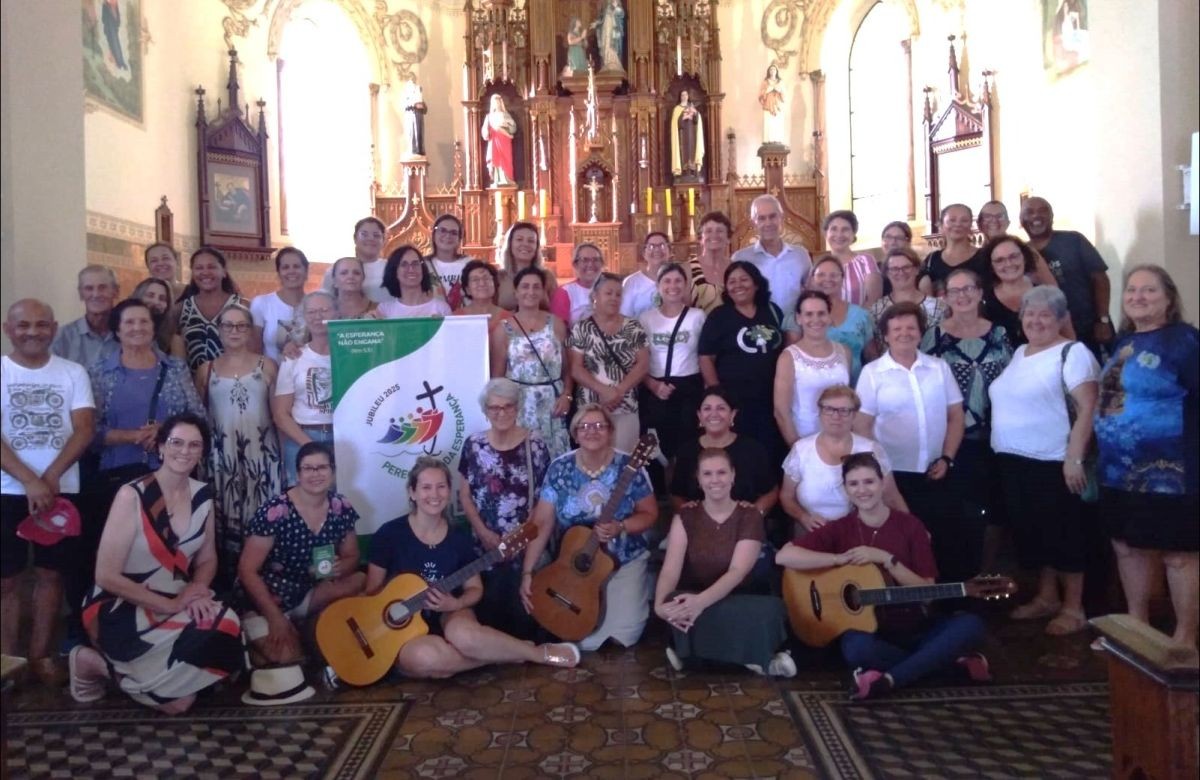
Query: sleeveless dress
{"x":200,"y":334}
{"x":160,"y":657}
{"x":812,"y":375}
{"x":246,"y":465}
{"x":540,"y":386}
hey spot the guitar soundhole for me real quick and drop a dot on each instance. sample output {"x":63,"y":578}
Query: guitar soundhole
{"x":395,"y":623}
{"x":582,"y":563}
{"x":850,"y":597}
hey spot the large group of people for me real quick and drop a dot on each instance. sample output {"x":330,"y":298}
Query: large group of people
{"x":898,"y":412}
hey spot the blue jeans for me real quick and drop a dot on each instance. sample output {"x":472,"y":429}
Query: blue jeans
{"x":946,"y":640}
{"x":290,"y":448}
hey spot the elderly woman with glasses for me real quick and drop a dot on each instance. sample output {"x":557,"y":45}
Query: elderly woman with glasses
{"x":812,"y":493}
{"x":245,"y":465}
{"x":302,"y":406}
{"x":1040,"y":451}
{"x":502,"y":468}
{"x":576,"y":489}
{"x":573,"y":301}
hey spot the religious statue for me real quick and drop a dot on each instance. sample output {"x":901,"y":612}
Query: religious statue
{"x":687,"y":139}
{"x":414,"y":113}
{"x":610,"y":37}
{"x":770,"y":97}
{"x":577,"y":59}
{"x":498,"y":130}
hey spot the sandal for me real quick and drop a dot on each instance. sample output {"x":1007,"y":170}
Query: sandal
{"x":1068,"y":621}
{"x":564,"y":654}
{"x":83,"y":691}
{"x":1036,"y":610}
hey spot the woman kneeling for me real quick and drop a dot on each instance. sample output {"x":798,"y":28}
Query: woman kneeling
{"x":908,"y":646}
{"x":423,"y":543}
{"x":711,"y":549}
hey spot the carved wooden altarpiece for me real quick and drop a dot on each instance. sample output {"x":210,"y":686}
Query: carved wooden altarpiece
{"x":603,"y":136}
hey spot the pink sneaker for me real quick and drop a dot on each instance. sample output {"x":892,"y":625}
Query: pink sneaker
{"x":976,"y":666}
{"x":870,"y":684}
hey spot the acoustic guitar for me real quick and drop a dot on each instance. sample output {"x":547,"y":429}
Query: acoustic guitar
{"x":568,"y":594}
{"x":823,"y":604}
{"x":360,"y":636}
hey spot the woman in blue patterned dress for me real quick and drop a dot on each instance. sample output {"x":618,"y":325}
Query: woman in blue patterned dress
{"x":1147,"y":428}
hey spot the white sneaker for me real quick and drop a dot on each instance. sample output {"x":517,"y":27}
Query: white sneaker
{"x":674,"y":660}
{"x":782,"y":665}
{"x":754,"y":668}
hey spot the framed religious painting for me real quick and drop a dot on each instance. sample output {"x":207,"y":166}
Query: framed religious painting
{"x":1065,"y":37}
{"x":233,"y":198}
{"x":112,"y":57}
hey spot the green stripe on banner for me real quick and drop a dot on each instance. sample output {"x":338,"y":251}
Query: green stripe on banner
{"x":361,"y":345}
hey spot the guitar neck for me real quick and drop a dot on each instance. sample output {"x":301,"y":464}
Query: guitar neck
{"x":910,"y":594}
{"x":447,"y":584}
{"x":610,"y":506}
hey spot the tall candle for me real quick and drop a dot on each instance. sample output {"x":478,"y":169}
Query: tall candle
{"x":542,"y":208}
{"x":678,"y":56}
{"x":667,"y":200}
{"x":499,"y":205}
{"x":521,"y":204}
{"x":649,"y":200}
{"x":691,"y":201}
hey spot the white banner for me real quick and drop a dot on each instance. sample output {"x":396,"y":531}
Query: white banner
{"x":402,"y":389}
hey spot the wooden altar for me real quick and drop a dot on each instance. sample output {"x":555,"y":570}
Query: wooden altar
{"x":592,"y":151}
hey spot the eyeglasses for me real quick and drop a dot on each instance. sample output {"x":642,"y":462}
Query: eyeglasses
{"x":236,"y":327}
{"x":319,"y":314}
{"x":837,"y":411}
{"x":410,"y":264}
{"x":967,"y":289}
{"x":445,"y":231}
{"x":900,"y":269}
{"x":314,"y":470}
{"x":590,"y":260}
{"x":658,"y":246}
{"x":179,"y":444}
{"x":501,"y":408}
{"x":592,"y":427}
{"x":992,"y":218}
{"x":1015,"y":257}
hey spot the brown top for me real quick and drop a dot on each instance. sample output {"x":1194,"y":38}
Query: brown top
{"x":710,"y":544}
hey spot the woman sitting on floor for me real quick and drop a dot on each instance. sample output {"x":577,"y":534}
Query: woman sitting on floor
{"x":908,"y":646}
{"x":153,"y":616}
{"x":300,"y":555}
{"x":705,"y":590}
{"x":423,"y":542}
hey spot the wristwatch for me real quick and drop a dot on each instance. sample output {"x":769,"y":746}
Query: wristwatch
{"x":949,"y":461}
{"x":1105,"y":319}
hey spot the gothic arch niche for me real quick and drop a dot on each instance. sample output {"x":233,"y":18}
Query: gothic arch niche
{"x":325,"y":132}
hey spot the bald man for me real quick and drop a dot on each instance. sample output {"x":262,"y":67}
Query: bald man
{"x":48,"y":413}
{"x":1081,"y":273}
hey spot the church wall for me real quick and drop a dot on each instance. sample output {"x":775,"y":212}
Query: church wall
{"x":41,"y":146}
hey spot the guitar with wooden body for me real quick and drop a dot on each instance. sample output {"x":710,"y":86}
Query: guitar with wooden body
{"x":568,"y":594}
{"x":823,"y":604}
{"x":360,"y":636}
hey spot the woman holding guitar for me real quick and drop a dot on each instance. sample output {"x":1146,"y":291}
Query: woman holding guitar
{"x":705,"y":589}
{"x":908,"y":645}
{"x":424,"y":543}
{"x":577,"y":488}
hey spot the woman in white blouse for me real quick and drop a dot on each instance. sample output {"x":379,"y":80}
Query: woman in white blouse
{"x":807,"y":367}
{"x":1040,"y":453}
{"x":812,"y":493}
{"x":406,"y":277}
{"x":670,"y":393}
{"x":912,"y":405}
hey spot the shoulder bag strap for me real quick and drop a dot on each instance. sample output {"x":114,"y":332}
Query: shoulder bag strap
{"x":552,"y":379}
{"x":162,"y":376}
{"x":529,"y":470}
{"x":671,"y":343}
{"x":608,"y":347}
{"x":1072,"y":412}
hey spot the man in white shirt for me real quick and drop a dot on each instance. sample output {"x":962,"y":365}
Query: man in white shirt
{"x":87,"y":340}
{"x":370,"y":234}
{"x":786,"y":267}
{"x":49,"y":417}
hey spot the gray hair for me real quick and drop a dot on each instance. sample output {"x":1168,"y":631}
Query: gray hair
{"x":589,"y":409}
{"x":768,"y":198}
{"x":326,"y":294}
{"x":234,"y":306}
{"x":95,"y":268}
{"x":1045,"y":295}
{"x":500,"y":387}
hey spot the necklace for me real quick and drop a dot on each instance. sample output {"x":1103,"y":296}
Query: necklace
{"x":593,"y":473}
